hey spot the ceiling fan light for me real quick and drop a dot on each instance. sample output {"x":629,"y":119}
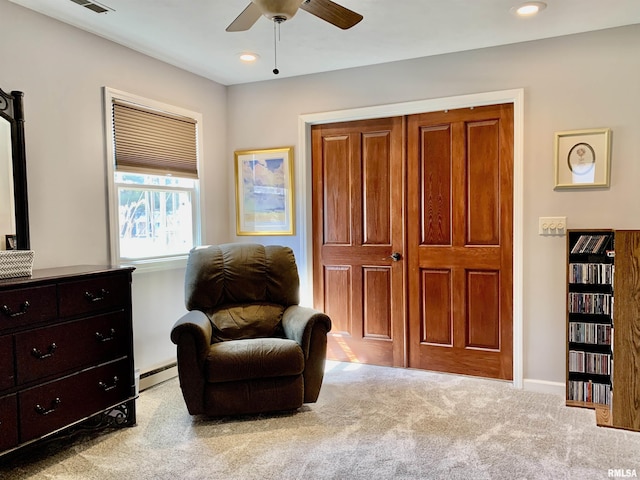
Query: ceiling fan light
{"x":281,"y":9}
{"x":530,"y":8}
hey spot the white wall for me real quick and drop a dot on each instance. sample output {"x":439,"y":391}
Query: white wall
{"x":582,"y":81}
{"x":62,"y":71}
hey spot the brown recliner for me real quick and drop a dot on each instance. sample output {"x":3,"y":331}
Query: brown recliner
{"x":246,"y":346}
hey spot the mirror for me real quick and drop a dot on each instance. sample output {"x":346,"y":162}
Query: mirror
{"x":14,"y":212}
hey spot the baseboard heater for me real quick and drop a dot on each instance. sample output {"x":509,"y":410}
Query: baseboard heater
{"x":158,"y":375}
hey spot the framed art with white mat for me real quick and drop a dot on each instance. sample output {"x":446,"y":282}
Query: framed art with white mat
{"x":582,"y":158}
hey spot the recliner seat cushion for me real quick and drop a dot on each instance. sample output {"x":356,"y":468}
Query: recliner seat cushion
{"x":253,"y":358}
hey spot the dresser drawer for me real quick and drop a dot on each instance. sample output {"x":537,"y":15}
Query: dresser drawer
{"x":27,"y":306}
{"x":54,"y":405}
{"x":8,"y":422}
{"x":67,"y":346}
{"x":93,"y":295}
{"x":7,"y":375}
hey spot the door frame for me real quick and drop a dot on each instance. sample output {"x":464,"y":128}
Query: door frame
{"x":303,"y":182}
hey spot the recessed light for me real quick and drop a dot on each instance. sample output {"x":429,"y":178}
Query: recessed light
{"x":248,"y":57}
{"x":529,"y":9}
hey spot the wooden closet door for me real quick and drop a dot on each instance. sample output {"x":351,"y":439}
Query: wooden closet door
{"x":357,"y":226}
{"x":459,"y":240}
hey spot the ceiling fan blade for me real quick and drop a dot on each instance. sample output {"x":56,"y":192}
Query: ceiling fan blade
{"x":331,"y":12}
{"x":246,"y":19}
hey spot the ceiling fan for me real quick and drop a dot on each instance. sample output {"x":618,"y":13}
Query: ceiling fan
{"x":282,"y":10}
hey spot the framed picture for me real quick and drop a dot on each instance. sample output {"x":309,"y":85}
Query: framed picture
{"x":264,"y":192}
{"x":11,"y":242}
{"x":582,"y":158}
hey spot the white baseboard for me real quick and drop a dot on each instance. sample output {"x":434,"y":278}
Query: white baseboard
{"x":159,"y":375}
{"x":544,"y":386}
{"x":154,"y":377}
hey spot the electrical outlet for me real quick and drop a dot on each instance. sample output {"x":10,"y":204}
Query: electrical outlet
{"x":552,"y":225}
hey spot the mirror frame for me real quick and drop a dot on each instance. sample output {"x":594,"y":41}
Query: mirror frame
{"x":11,"y":108}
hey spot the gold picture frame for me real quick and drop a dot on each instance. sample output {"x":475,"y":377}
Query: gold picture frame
{"x":582,"y":158}
{"x":264,"y":192}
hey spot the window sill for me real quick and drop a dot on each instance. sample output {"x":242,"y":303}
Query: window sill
{"x":157,"y":264}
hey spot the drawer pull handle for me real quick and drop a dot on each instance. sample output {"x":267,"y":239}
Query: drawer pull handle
{"x":41,"y":356}
{"x":54,"y":404}
{"x":23,"y":309}
{"x":101,"y":338}
{"x":92,"y":297}
{"x":106,"y":387}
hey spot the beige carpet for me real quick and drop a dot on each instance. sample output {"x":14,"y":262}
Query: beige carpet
{"x":369,"y":423}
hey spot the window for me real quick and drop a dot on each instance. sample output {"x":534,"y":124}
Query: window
{"x":154,"y":192}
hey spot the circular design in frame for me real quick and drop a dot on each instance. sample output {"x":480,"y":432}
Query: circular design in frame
{"x":581,"y":158}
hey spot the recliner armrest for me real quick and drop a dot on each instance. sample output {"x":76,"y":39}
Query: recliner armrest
{"x":197,"y":326}
{"x":299,"y":322}
{"x":309,"y":328}
{"x":192,"y":334}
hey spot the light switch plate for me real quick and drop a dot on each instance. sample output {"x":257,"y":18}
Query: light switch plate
{"x":552,"y":225}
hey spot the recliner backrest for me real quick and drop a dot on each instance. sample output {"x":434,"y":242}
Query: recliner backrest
{"x":240,"y":273}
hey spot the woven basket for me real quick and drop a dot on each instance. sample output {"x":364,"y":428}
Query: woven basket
{"x":16,"y":263}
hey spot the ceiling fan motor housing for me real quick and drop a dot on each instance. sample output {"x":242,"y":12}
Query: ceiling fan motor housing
{"x":278,"y":9}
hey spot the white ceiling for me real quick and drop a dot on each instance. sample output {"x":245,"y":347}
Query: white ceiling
{"x":190,"y":34}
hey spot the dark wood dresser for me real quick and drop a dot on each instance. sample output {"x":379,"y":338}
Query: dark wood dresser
{"x":66,"y":350}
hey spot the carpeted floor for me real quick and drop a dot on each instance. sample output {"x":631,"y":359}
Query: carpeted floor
{"x":369,"y":423}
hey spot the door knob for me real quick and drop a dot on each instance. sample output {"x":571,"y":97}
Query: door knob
{"x":396,"y":256}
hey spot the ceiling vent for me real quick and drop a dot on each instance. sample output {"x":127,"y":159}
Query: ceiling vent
{"x":93,"y":6}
